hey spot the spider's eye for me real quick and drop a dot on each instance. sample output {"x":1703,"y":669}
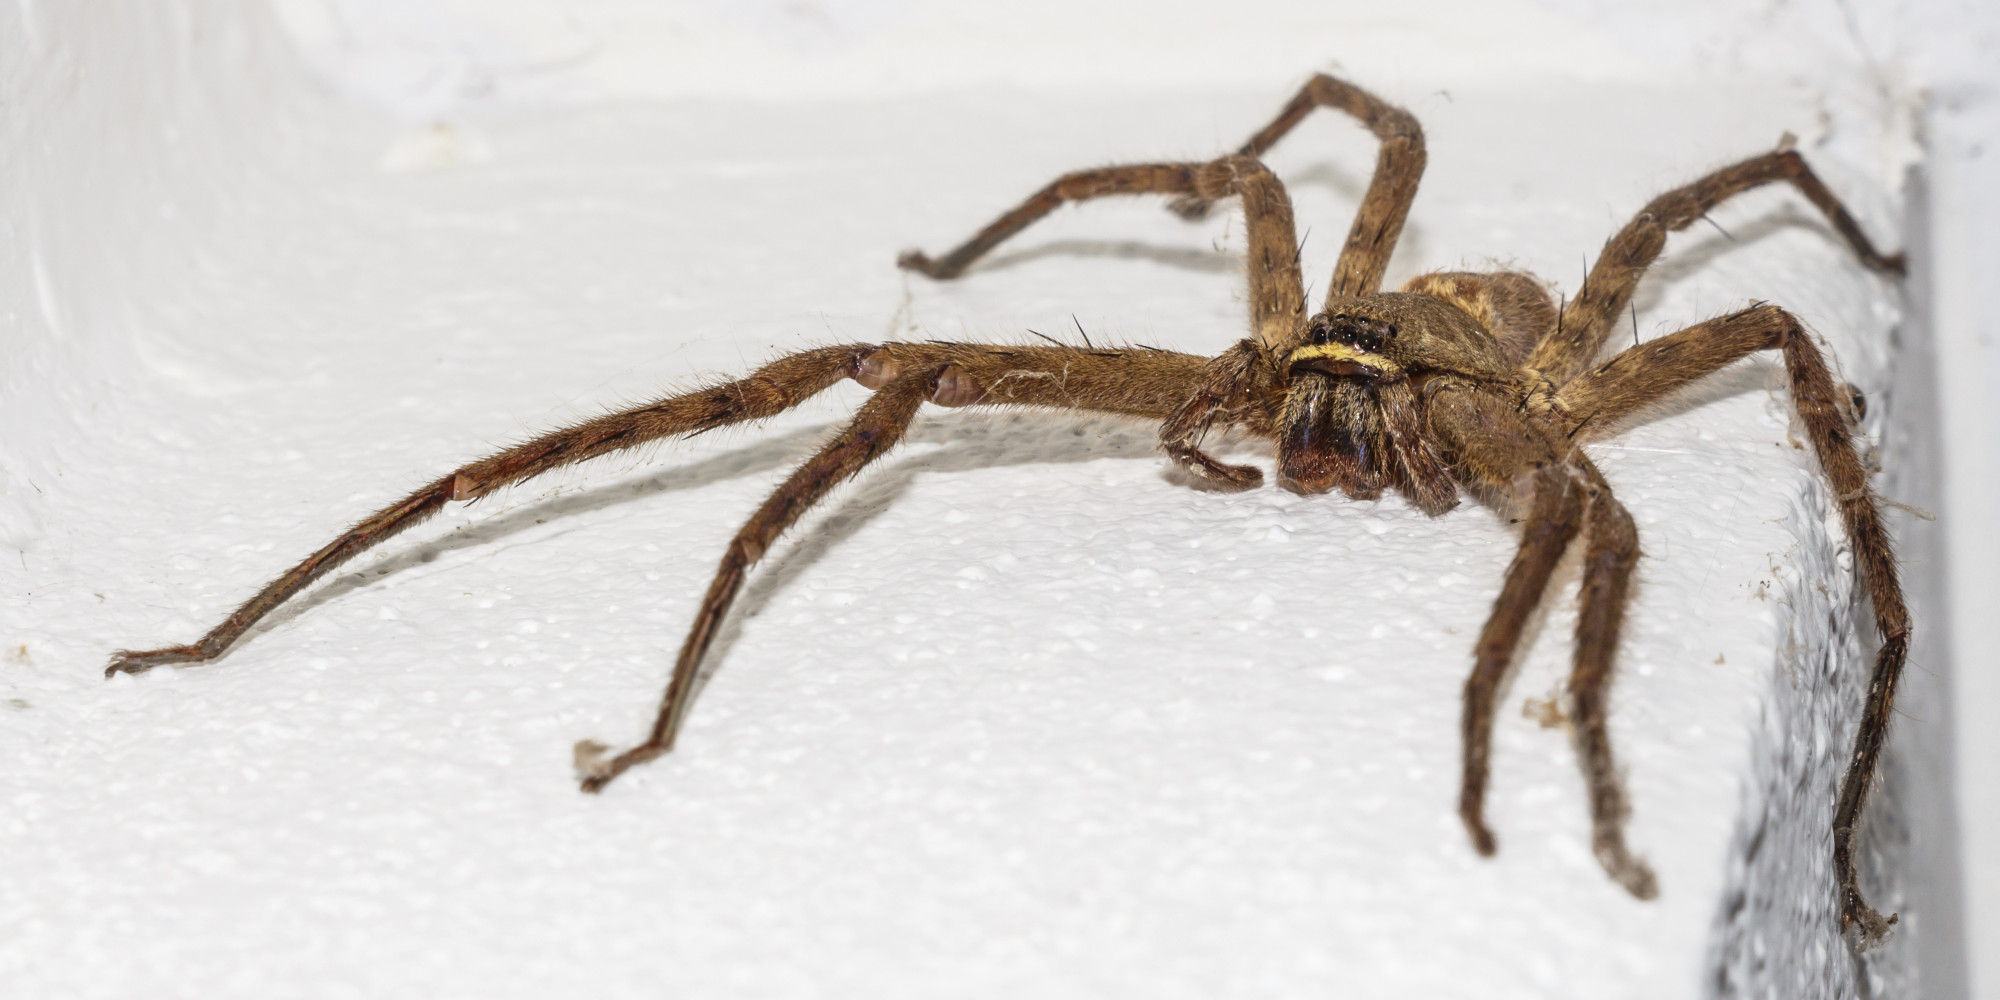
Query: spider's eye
{"x":1371,"y":336}
{"x":1358,"y":331}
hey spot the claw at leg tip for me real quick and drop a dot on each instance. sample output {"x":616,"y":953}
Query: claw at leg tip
{"x":126,"y":661}
{"x":1639,"y":881}
{"x":593,"y":764}
{"x":1869,"y":926}
{"x":1625,"y":869}
{"x":1482,"y":838}
{"x":596,"y":765}
{"x":588,"y":756}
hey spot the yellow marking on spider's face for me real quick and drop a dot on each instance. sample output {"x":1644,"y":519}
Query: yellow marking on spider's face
{"x":1343,"y":352}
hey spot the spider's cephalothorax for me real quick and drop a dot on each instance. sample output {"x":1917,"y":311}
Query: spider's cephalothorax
{"x":1458,"y":381}
{"x":1351,"y":416}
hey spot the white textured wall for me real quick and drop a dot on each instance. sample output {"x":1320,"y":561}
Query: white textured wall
{"x":252,"y":322}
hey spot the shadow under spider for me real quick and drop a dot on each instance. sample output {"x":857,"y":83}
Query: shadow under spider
{"x":1183,"y":258}
{"x":1693,"y":256}
{"x":967,"y":448}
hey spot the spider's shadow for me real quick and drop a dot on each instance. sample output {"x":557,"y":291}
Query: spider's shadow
{"x":1689,"y":254}
{"x":1182,"y":258}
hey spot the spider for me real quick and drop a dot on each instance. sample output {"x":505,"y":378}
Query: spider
{"x":1459,"y":381}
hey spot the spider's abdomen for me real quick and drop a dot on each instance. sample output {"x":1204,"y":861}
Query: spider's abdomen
{"x":1513,"y":306}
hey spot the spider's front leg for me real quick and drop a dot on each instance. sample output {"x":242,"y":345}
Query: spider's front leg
{"x":1593,"y":405}
{"x":874,"y":430}
{"x":1557,"y":494}
{"x":1399,"y":165}
{"x":766,"y":392}
{"x":1141,"y":383}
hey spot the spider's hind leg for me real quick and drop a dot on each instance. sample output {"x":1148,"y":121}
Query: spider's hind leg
{"x":1589,"y":318}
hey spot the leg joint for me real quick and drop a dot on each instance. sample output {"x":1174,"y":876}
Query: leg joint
{"x":873,"y":367}
{"x":1784,"y":326}
{"x":1232,"y":174}
{"x":954,"y":386}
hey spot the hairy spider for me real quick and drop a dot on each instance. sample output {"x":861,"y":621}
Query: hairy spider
{"x":1473,"y":381}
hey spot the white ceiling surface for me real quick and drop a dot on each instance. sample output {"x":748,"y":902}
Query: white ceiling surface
{"x":1018,"y":714}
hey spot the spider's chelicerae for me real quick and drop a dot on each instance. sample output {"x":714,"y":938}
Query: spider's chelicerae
{"x":1478,"y":382}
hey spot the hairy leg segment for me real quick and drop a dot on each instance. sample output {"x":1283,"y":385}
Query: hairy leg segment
{"x":1399,"y":165}
{"x":766,"y":392}
{"x":1140,"y":382}
{"x":1556,"y":495}
{"x":1589,"y":318}
{"x":1277,"y":297}
{"x":1595,"y":402}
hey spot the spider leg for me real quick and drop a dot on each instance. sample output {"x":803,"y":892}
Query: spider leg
{"x":875,"y":429}
{"x":1551,"y":523}
{"x":1594,"y":402}
{"x":1609,"y":554}
{"x":1399,"y":165}
{"x":769,"y":390}
{"x":1191,"y":395}
{"x":1143,"y":383}
{"x":1500,"y":456}
{"x":1592,"y":315}
{"x":1277,"y":293}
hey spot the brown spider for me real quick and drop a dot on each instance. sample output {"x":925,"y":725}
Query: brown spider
{"x":1459,"y":380}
